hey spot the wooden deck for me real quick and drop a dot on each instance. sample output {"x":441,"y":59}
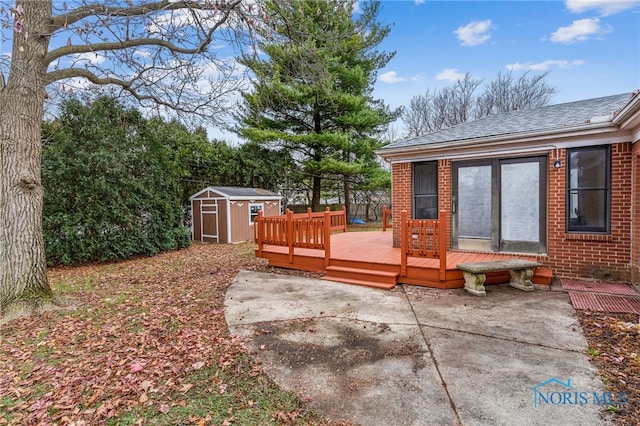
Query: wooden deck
{"x":369,"y":258}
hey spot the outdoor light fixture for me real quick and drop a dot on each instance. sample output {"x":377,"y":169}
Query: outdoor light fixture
{"x":557,"y":163}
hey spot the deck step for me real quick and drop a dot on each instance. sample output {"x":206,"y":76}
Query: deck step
{"x":367,"y":277}
{"x":542,"y":276}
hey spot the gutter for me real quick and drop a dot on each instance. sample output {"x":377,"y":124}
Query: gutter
{"x":529,"y":141}
{"x":629,"y":115}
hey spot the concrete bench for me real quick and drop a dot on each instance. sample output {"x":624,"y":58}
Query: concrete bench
{"x":520,"y":270}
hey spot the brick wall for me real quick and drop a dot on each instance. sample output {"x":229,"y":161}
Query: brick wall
{"x":635,"y":248}
{"x":586,"y":255}
{"x":401,"y":196}
{"x":569,"y":255}
{"x":444,"y":193}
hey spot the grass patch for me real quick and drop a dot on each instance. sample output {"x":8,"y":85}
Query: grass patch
{"x":147,"y":342}
{"x":231,"y":394}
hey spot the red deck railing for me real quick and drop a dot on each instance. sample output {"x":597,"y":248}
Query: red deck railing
{"x":424,"y":238}
{"x":386,"y":218}
{"x":310,"y":230}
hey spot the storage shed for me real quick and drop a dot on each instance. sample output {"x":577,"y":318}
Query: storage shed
{"x":225,"y":214}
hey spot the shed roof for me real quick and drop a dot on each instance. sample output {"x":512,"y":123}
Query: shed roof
{"x":238,"y":192}
{"x":547,"y":118}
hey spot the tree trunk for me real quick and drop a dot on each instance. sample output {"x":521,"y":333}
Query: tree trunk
{"x":347,"y":196}
{"x":23,"y":273}
{"x":315,"y":196}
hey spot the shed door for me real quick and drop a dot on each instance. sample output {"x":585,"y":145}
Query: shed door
{"x":209,"y":221}
{"x":500,"y":205}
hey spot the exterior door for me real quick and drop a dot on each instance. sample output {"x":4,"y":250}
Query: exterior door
{"x":209,"y":221}
{"x":500,"y":205}
{"x":472,"y":206}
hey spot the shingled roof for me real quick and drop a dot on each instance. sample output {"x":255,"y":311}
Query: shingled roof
{"x":550,"y":117}
{"x":239,"y":193}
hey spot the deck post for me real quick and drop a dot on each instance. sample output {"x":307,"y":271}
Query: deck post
{"x":327,"y":237}
{"x":442,"y":244}
{"x":309,"y":212}
{"x":344,"y":214}
{"x":384,"y":218}
{"x":259,"y":233}
{"x":403,"y":243}
{"x":289,"y":235}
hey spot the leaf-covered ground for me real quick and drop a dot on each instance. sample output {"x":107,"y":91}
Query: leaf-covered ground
{"x":146,"y":343}
{"x":614,"y":347}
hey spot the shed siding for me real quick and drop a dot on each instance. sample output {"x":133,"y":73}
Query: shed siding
{"x":223,"y":221}
{"x":195,"y":220}
{"x":272,"y":208}
{"x":240,"y":229}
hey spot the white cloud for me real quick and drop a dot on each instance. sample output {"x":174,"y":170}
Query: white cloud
{"x":545,"y":65}
{"x":579,"y":30}
{"x":450,"y":74}
{"x":392,"y":77}
{"x":91,"y":57}
{"x":419,"y":2}
{"x":604,"y":7}
{"x":474,"y":33}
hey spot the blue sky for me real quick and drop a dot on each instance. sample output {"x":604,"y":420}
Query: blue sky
{"x":590,"y":47}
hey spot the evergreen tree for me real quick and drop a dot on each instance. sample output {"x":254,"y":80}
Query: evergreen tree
{"x":312,"y":88}
{"x":109,"y":189}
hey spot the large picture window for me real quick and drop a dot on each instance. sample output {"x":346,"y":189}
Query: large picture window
{"x":425,"y":190}
{"x":588,"y":189}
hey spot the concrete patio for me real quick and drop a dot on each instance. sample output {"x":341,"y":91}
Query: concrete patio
{"x":419,"y":356}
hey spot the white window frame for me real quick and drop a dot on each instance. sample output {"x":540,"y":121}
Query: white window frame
{"x":252,"y":215}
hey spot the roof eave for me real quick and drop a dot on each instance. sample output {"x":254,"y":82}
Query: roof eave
{"x":629,"y":116}
{"x":534,"y":139}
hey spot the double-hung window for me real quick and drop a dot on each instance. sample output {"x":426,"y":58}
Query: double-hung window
{"x":589,"y":189}
{"x":425,"y":190}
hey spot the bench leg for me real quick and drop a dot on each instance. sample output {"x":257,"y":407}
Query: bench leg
{"x":521,"y":279}
{"x":474,"y":283}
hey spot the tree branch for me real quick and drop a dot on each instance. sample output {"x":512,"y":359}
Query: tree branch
{"x":86,"y":11}
{"x":126,"y":44}
{"x":207,"y":36}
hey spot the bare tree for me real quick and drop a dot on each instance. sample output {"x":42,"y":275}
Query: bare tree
{"x":160,"y":53}
{"x":417,"y":117}
{"x":458,"y":103}
{"x":508,"y":94}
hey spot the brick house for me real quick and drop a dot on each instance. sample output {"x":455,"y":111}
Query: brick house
{"x":561,"y":182}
